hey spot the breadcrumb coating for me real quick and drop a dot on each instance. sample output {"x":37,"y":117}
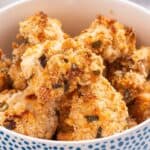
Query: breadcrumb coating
{"x":93,"y":111}
{"x":26,"y":113}
{"x":140,"y":107}
{"x":5,"y":81}
{"x":108,"y":38}
{"x":39,"y":28}
{"x":85,"y":87}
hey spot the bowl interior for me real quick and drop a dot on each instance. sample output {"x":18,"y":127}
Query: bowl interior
{"x":75,"y":15}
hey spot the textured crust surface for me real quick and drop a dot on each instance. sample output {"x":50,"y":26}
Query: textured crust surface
{"x":108,"y":38}
{"x":5,"y":82}
{"x":26,"y":113}
{"x":140,"y":107}
{"x":74,"y":88}
{"x":89,"y":110}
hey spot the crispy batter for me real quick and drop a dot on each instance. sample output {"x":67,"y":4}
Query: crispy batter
{"x":40,"y":27}
{"x":5,"y":81}
{"x":140,"y":107}
{"x":108,"y":38}
{"x":63,"y":88}
{"x":129,"y":84}
{"x":62,"y":72}
{"x":93,"y":111}
{"x":34,"y":31}
{"x":129,"y":74}
{"x":25,"y":112}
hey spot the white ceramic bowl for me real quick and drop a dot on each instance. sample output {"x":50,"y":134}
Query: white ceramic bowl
{"x":75,"y":16}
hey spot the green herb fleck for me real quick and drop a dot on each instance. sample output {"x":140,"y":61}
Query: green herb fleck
{"x":96,"y":44}
{"x":92,"y":118}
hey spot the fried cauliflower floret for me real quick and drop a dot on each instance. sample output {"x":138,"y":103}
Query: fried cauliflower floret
{"x":92,"y":111}
{"x":108,"y":38}
{"x":5,"y":81}
{"x":26,"y":113}
{"x":140,"y":107}
{"x":39,"y":28}
{"x":61,"y":72}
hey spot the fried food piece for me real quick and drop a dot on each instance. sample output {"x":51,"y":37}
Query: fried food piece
{"x":5,"y":81}
{"x":108,"y":38}
{"x":140,"y":107}
{"x":92,"y":111}
{"x":129,"y":74}
{"x":39,"y":28}
{"x":25,"y":113}
{"x":35,"y":30}
{"x":129,"y":84}
{"x":60,"y":73}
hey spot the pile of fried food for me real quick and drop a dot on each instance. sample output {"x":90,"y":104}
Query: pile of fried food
{"x":90,"y":86}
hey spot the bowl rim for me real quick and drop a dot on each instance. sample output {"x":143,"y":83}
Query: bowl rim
{"x":15,"y":134}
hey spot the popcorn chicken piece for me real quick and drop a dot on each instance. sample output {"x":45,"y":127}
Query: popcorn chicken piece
{"x":108,"y":38}
{"x":92,"y":111}
{"x":129,"y":84}
{"x":36,"y":31}
{"x":129,"y":74}
{"x":25,"y":113}
{"x":60,"y":73}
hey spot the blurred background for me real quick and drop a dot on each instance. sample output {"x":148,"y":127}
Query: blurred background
{"x":145,"y":3}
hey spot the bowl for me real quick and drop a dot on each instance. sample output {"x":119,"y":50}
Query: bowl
{"x":75,"y":16}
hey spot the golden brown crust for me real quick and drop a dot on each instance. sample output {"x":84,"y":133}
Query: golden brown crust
{"x":5,"y":81}
{"x":108,"y":38}
{"x":27,"y":114}
{"x":85,"y":113}
{"x":140,"y":107}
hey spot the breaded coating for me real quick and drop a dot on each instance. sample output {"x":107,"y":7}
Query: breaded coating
{"x":129,"y":84}
{"x":5,"y":82}
{"x":35,"y":30}
{"x":92,"y":111}
{"x":15,"y":72}
{"x":108,"y":38}
{"x":24,"y":112}
{"x":140,"y":107}
{"x":61,"y":72}
{"x":128,"y":74}
{"x":39,"y":28}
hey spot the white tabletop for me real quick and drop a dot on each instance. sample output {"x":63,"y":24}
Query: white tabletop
{"x":145,"y":3}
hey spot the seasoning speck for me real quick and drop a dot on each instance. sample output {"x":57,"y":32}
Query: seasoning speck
{"x":56,"y":85}
{"x":96,"y":44}
{"x":96,"y":72}
{"x":92,"y":118}
{"x":43,"y":61}
{"x":3,"y":106}
{"x":74,"y":67}
{"x":66,"y":85}
{"x":9,"y":124}
{"x":99,"y":133}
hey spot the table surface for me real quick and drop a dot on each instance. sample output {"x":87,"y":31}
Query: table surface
{"x":145,"y":3}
